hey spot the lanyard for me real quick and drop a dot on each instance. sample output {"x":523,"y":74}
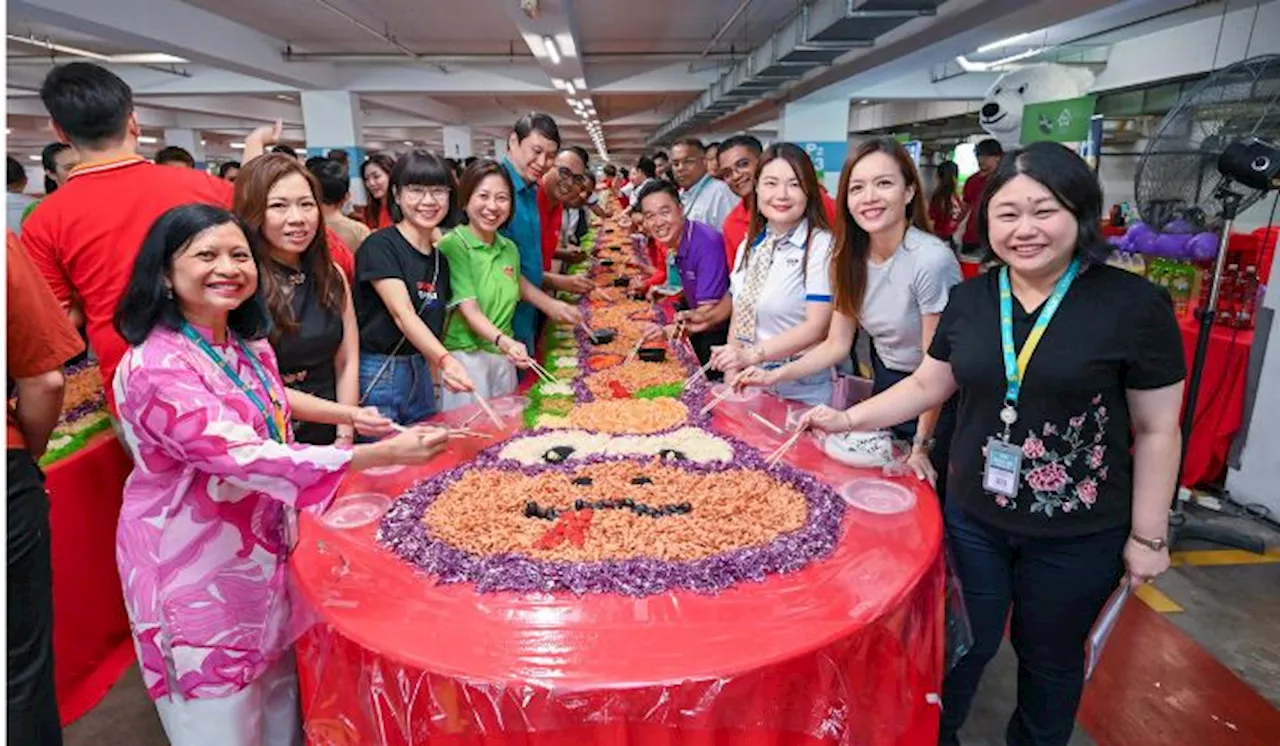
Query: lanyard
{"x":275,"y":415}
{"x":1015,"y":362}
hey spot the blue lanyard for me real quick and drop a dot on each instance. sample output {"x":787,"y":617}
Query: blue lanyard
{"x":273,"y":415}
{"x":1015,"y":362}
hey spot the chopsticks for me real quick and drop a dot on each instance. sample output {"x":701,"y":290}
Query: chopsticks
{"x":767,"y":423}
{"x":700,"y":372}
{"x":728,"y":392}
{"x":542,"y":372}
{"x":777,"y":455}
{"x":488,"y":410}
{"x":634,"y":350}
{"x":454,"y":432}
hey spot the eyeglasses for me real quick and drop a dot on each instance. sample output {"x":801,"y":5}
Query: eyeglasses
{"x":568,"y":175}
{"x":418,"y":192}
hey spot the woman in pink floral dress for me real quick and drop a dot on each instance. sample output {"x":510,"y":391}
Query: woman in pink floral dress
{"x":1065,"y":457}
{"x":201,"y":543}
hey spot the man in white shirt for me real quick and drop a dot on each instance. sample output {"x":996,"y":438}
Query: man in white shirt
{"x":704,"y":198}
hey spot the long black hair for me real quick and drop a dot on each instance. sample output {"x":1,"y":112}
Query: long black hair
{"x":146,"y":304}
{"x":49,"y":159}
{"x":1071,"y":182}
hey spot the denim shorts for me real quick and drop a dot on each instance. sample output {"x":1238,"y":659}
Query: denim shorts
{"x":404,"y":393}
{"x":812,"y":390}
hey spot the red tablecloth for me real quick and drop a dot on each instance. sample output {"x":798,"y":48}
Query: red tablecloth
{"x":1220,"y":406}
{"x":846,"y":651}
{"x":91,"y":639}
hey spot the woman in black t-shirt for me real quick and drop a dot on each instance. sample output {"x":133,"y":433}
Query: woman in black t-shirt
{"x":402,"y":291}
{"x":1061,"y":478}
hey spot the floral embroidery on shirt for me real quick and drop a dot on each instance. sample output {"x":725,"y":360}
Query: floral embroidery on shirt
{"x":1063,"y":467}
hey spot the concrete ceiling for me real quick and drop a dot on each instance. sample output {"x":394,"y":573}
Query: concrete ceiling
{"x":419,"y":66}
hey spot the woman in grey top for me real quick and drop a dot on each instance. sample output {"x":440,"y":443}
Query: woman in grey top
{"x":890,"y":277}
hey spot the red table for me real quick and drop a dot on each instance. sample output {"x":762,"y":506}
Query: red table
{"x":846,"y":651}
{"x":91,"y":641}
{"x":1220,"y":406}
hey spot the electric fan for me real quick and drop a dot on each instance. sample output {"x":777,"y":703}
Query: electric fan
{"x":1212,"y":156}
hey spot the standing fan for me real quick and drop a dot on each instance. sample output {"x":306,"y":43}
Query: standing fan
{"x":1212,"y":156}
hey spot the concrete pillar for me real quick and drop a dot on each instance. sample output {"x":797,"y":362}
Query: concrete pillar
{"x":499,"y":147}
{"x":822,"y":129}
{"x":188,"y":140}
{"x":333,"y":120}
{"x":457,"y":142}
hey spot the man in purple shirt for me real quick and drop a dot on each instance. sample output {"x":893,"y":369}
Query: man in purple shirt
{"x":699,"y":260}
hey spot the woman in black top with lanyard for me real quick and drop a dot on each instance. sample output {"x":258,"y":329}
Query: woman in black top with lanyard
{"x":402,"y":291}
{"x":1065,"y":457}
{"x":314,"y":323}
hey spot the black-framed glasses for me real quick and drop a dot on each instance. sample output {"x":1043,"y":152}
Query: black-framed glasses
{"x":569,"y":175}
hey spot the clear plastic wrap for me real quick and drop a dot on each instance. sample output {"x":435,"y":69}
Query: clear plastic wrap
{"x":848,"y":650}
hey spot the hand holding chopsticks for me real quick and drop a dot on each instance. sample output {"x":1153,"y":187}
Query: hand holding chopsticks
{"x":781,"y":451}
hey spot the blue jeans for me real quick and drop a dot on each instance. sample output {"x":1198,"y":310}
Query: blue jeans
{"x":1056,"y":588}
{"x":812,"y":390}
{"x":404,"y":392}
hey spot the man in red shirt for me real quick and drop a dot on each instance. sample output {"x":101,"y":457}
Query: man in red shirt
{"x":85,"y":236}
{"x":739,"y":157}
{"x":40,"y":340}
{"x":989,"y":154}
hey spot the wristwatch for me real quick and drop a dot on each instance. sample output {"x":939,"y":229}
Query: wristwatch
{"x":925,"y":444}
{"x":1156,"y":545}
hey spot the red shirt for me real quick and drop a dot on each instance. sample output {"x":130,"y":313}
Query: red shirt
{"x":85,"y":237}
{"x":549,"y":222}
{"x":343,"y":255}
{"x":972,"y":198}
{"x":738,"y":224}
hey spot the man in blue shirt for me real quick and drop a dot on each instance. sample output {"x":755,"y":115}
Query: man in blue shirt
{"x":531,"y":150}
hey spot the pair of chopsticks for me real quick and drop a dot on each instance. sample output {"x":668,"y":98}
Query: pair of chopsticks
{"x":728,"y":392}
{"x":777,"y":455}
{"x":699,"y":373}
{"x":634,"y":350}
{"x":542,"y":372}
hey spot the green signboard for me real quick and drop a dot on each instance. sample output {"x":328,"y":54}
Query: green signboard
{"x":1057,"y":121}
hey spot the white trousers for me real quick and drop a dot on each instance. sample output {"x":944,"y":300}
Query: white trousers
{"x":265,"y":713}
{"x":494,"y":376}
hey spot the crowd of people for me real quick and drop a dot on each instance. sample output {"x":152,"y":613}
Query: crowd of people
{"x":260,"y":338}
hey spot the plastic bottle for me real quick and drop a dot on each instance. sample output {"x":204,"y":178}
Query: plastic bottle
{"x":673,"y":273}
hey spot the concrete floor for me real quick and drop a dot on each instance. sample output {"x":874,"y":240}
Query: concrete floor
{"x":1230,"y":611}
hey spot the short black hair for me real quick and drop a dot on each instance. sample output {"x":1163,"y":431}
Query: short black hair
{"x":338,"y":154}
{"x":175,"y":154}
{"x":654,"y":187}
{"x":146,"y":304}
{"x":715,"y":145}
{"x":610,"y":170}
{"x":623,"y":172}
{"x":581,"y":152}
{"x":647,"y":167}
{"x":750,"y":142}
{"x":423,"y":168}
{"x":988,"y":147}
{"x":286,"y":150}
{"x":536,"y":121}
{"x":690,"y":142}
{"x":661,"y":154}
{"x":334,"y":177}
{"x":89,"y":103}
{"x":16,"y":175}
{"x":1068,"y":178}
{"x":48,"y":159}
{"x":225,"y":167}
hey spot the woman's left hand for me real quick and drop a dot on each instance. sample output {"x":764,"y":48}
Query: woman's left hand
{"x":922,"y":466}
{"x":454,"y":376}
{"x":1143,"y":564}
{"x":369,"y":421}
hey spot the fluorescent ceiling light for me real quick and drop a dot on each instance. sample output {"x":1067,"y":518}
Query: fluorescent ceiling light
{"x":570,"y":89}
{"x":147,"y":140}
{"x":409,"y":143}
{"x":970,"y":66}
{"x":553,"y":51}
{"x":204,"y":142}
{"x":558,"y":83}
{"x":55,"y":47}
{"x":581,"y":83}
{"x":35,"y":157}
{"x":1006,"y":42}
{"x":148,"y":58}
{"x":237,"y":146}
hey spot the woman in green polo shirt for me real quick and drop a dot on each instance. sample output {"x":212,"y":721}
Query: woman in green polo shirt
{"x":486,"y":286}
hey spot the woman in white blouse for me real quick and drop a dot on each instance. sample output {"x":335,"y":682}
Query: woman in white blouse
{"x":780,"y":286}
{"x":892,"y":278}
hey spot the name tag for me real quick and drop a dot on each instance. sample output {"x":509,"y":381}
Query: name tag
{"x":1003,"y":470}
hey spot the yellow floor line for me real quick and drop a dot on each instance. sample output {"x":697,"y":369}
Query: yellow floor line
{"x":1155,"y":598}
{"x":1223,"y":557}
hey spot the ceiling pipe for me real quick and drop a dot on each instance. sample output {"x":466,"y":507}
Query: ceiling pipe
{"x":497,"y":59}
{"x":725,"y":28}
{"x":367,"y":28}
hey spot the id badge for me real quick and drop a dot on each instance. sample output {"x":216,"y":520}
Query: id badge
{"x":1003,"y":469}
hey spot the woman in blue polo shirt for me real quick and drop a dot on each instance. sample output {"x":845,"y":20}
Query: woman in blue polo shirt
{"x":781,"y":280}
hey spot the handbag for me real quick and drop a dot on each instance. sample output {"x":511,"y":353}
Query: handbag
{"x":848,"y":389}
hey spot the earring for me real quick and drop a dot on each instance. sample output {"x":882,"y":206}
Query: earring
{"x":168,"y":292}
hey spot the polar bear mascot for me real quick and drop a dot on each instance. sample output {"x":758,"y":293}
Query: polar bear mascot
{"x":1001,"y":112}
